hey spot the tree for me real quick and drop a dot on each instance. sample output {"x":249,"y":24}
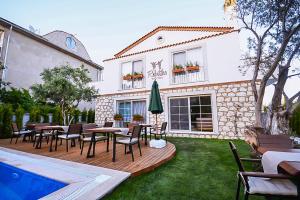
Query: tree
{"x":84,"y":115}
{"x":17,"y":97}
{"x":19,"y":116}
{"x":273,"y":47}
{"x":66,"y":87}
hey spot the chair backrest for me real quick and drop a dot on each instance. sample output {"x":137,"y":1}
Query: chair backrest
{"x":130,"y":126}
{"x":14,"y":127}
{"x":236,"y":157}
{"x":88,"y":126}
{"x":75,"y":129}
{"x":274,"y":141}
{"x":136,"y":132}
{"x":108,"y":124}
{"x":164,"y":126}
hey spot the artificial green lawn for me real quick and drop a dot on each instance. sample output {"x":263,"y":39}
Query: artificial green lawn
{"x":202,"y":169}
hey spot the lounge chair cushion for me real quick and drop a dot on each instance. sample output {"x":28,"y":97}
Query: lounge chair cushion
{"x":259,"y":185}
{"x":70,"y":136}
{"x":126,"y":140}
{"x":98,"y":138}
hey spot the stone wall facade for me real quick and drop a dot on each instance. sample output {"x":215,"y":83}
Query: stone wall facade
{"x":234,"y":102}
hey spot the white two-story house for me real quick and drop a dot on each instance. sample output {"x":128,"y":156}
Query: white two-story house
{"x":202,"y":90}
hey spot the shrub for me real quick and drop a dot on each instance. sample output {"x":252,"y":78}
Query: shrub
{"x":7,"y":113}
{"x":91,"y":116}
{"x":83,"y":115}
{"x":295,"y":121}
{"x":19,"y":116}
{"x":35,"y":115}
{"x":57,"y":115}
{"x":44,"y":112}
{"x":76,"y":114}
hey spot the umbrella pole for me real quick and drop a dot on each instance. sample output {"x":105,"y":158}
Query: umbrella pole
{"x":156,"y":124}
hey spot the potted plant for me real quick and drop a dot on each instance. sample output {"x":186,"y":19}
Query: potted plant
{"x":118,"y":117}
{"x":137,"y":117}
{"x":127,"y":77}
{"x":192,"y":67}
{"x":177,"y":69}
{"x":137,"y":75}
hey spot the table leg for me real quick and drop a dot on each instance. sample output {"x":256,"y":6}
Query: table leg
{"x":107,"y":142}
{"x":90,"y":146}
{"x":145,"y":135}
{"x":52,"y":138}
{"x":114,"y":147}
{"x":39,"y":141}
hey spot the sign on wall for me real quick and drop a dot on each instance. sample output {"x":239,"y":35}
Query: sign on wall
{"x":157,"y":72}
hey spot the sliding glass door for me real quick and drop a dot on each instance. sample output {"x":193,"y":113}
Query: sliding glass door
{"x":192,"y":113}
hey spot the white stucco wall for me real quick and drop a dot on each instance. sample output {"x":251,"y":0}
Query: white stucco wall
{"x":221,"y":56}
{"x":27,"y":58}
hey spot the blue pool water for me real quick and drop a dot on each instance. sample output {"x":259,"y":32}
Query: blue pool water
{"x":18,"y":184}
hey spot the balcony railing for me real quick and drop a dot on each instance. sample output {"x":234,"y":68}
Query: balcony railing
{"x":133,"y":84}
{"x":188,"y":77}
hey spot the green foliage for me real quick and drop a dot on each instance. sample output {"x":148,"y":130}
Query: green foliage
{"x":44,"y":112}
{"x":295,"y":121}
{"x":65,"y":86}
{"x":35,"y":115}
{"x":91,"y":116}
{"x":84,"y":115}
{"x":6,"y":115}
{"x":19,"y":116}
{"x":57,"y":116}
{"x":76,"y":114}
{"x":17,"y":97}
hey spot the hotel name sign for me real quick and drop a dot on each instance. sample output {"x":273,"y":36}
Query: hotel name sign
{"x":157,"y":72}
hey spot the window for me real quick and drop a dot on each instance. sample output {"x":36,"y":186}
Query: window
{"x":191,"y":113}
{"x":99,"y":75}
{"x":71,"y":43}
{"x":182,"y":73}
{"x":132,"y":75}
{"x":1,"y":41}
{"x":128,"y":108}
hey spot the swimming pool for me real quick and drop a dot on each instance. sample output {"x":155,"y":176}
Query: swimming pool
{"x":19,"y":184}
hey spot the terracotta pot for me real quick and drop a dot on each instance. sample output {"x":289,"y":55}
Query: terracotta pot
{"x":192,"y":68}
{"x":127,"y":77}
{"x":138,"y":76}
{"x":178,"y":70}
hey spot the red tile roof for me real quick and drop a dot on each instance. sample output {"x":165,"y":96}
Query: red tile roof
{"x":171,"y":45}
{"x":174,"y":28}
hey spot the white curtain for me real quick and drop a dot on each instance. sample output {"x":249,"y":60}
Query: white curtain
{"x":139,"y":107}
{"x":179,"y":58}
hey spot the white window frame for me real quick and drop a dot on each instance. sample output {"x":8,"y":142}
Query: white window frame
{"x":185,"y":49}
{"x":137,"y":98}
{"x":131,"y":62}
{"x":212,"y":93}
{"x":99,"y":75}
{"x":1,"y":41}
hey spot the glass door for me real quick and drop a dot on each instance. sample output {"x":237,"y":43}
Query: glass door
{"x":179,"y":110}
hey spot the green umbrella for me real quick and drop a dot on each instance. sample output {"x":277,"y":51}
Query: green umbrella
{"x":155,"y":105}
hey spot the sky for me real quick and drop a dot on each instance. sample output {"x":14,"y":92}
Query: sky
{"x":107,"y":26}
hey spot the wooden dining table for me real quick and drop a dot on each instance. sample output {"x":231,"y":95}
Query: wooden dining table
{"x":107,"y":131}
{"x":53,"y":129}
{"x":145,"y":126}
{"x":290,"y":167}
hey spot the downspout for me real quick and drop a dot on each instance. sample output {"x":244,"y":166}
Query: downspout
{"x":6,"y":51}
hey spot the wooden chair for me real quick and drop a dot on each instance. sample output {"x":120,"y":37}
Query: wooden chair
{"x":87,"y":137}
{"x":38,"y":132}
{"x":74,"y":132}
{"x":131,"y":139}
{"x":17,"y":133}
{"x":262,"y":184}
{"x":160,"y":131}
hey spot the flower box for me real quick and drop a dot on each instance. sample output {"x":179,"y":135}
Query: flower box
{"x":138,"y":76}
{"x":178,"y":70}
{"x":118,"y":117}
{"x":137,"y":118}
{"x":127,"y":77}
{"x":192,"y":68}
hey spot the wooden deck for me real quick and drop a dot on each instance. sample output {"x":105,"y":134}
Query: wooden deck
{"x":150,"y":159}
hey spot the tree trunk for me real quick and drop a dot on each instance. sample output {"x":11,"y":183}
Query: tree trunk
{"x":277,"y":123}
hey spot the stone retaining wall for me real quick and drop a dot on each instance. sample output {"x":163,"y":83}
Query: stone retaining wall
{"x":235,"y":107}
